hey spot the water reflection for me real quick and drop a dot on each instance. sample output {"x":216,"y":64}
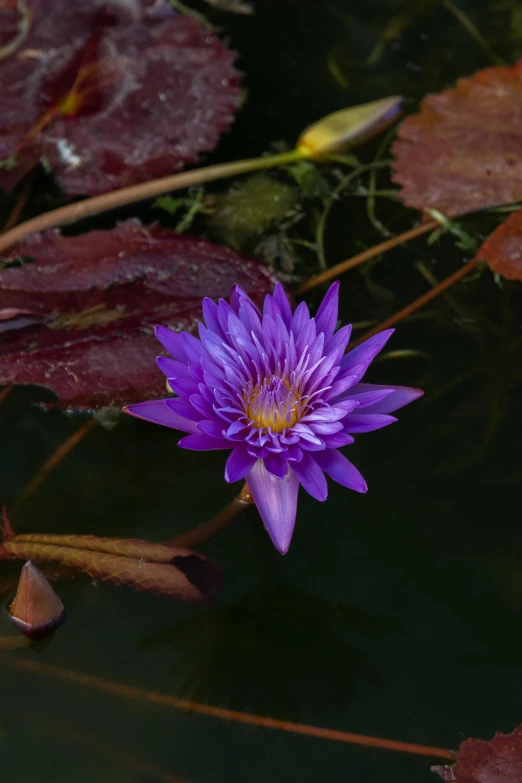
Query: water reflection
{"x":274,"y":651}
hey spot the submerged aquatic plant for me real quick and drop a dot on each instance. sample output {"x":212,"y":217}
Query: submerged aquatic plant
{"x":277,"y":389}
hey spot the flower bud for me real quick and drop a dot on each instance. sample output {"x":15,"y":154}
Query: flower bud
{"x":348,"y":128}
{"x":36,"y":610}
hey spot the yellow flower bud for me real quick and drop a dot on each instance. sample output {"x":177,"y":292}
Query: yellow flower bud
{"x":348,"y":128}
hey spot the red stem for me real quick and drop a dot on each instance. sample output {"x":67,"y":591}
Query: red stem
{"x":164,"y":700}
{"x":418,"y":303}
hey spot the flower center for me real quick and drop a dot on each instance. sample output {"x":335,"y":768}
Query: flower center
{"x":273,"y":403}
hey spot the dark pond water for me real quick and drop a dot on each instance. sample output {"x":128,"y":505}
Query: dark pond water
{"x":395,"y":614}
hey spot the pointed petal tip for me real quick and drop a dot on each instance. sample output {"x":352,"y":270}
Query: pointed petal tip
{"x":276,"y":501}
{"x":282,"y":548}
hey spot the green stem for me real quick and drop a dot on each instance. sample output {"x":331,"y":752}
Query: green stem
{"x":156,"y":187}
{"x":332,"y":197}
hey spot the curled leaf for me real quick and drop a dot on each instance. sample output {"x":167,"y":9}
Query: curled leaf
{"x":189,"y":576}
{"x":127,"y":547}
{"x":348,"y":128}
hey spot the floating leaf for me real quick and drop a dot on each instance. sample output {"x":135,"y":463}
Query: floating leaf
{"x":498,"y":760}
{"x":502,"y":250}
{"x":101,"y":296}
{"x":462,"y":152}
{"x":109,"y":95}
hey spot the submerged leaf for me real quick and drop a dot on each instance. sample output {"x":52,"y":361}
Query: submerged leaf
{"x":100,"y":297}
{"x":110,"y":95}
{"x":498,"y":760}
{"x":502,"y":250}
{"x":462,"y":152}
{"x":250,"y":208}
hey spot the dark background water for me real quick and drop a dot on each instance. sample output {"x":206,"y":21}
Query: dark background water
{"x":395,"y":614}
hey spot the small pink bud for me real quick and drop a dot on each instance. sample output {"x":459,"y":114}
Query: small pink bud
{"x":36,"y":610}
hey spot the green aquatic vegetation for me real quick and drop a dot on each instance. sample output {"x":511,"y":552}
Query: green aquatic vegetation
{"x":250,"y":208}
{"x":190,"y":205}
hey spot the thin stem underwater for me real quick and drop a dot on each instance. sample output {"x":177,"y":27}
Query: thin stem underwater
{"x":164,"y":700}
{"x":217,"y":523}
{"x":418,"y":303}
{"x":360,"y":258}
{"x":61,"y":452}
{"x":330,"y":200}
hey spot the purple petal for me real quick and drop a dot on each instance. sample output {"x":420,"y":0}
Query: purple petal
{"x":171,"y":341}
{"x":239,"y":297}
{"x":311,"y":477}
{"x":213,"y":428}
{"x":339,"y":342}
{"x":276,"y":465}
{"x":300,"y":320}
{"x":341,"y":385}
{"x":239,"y":464}
{"x":201,"y":442}
{"x":183,"y":388}
{"x":368,"y":395}
{"x":192,"y":347}
{"x":276,"y":501}
{"x":282,"y":302}
{"x":183,"y":408}
{"x":326,"y":316}
{"x":338,"y":440}
{"x":340,"y":469}
{"x":400,"y":396}
{"x":158,"y":412}
{"x":173,"y":369}
{"x":366,"y":422}
{"x":367,"y":351}
{"x":210,"y":316}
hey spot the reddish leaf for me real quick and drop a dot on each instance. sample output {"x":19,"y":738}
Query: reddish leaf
{"x":110,"y":95}
{"x":187,"y":576}
{"x":101,"y":295}
{"x":463,"y":152}
{"x":494,"y":761}
{"x":502,"y":250}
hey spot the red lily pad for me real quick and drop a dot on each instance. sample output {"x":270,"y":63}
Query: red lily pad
{"x":502,"y":250}
{"x":498,"y":760}
{"x":92,"y":302}
{"x":463,"y":151}
{"x":109,"y":94}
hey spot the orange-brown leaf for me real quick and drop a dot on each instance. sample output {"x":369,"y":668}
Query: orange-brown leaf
{"x":126,"y":547}
{"x":463,"y":151}
{"x":502,"y":250}
{"x":191,"y":578}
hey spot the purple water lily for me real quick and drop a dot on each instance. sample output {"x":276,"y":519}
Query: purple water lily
{"x":277,"y":388}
